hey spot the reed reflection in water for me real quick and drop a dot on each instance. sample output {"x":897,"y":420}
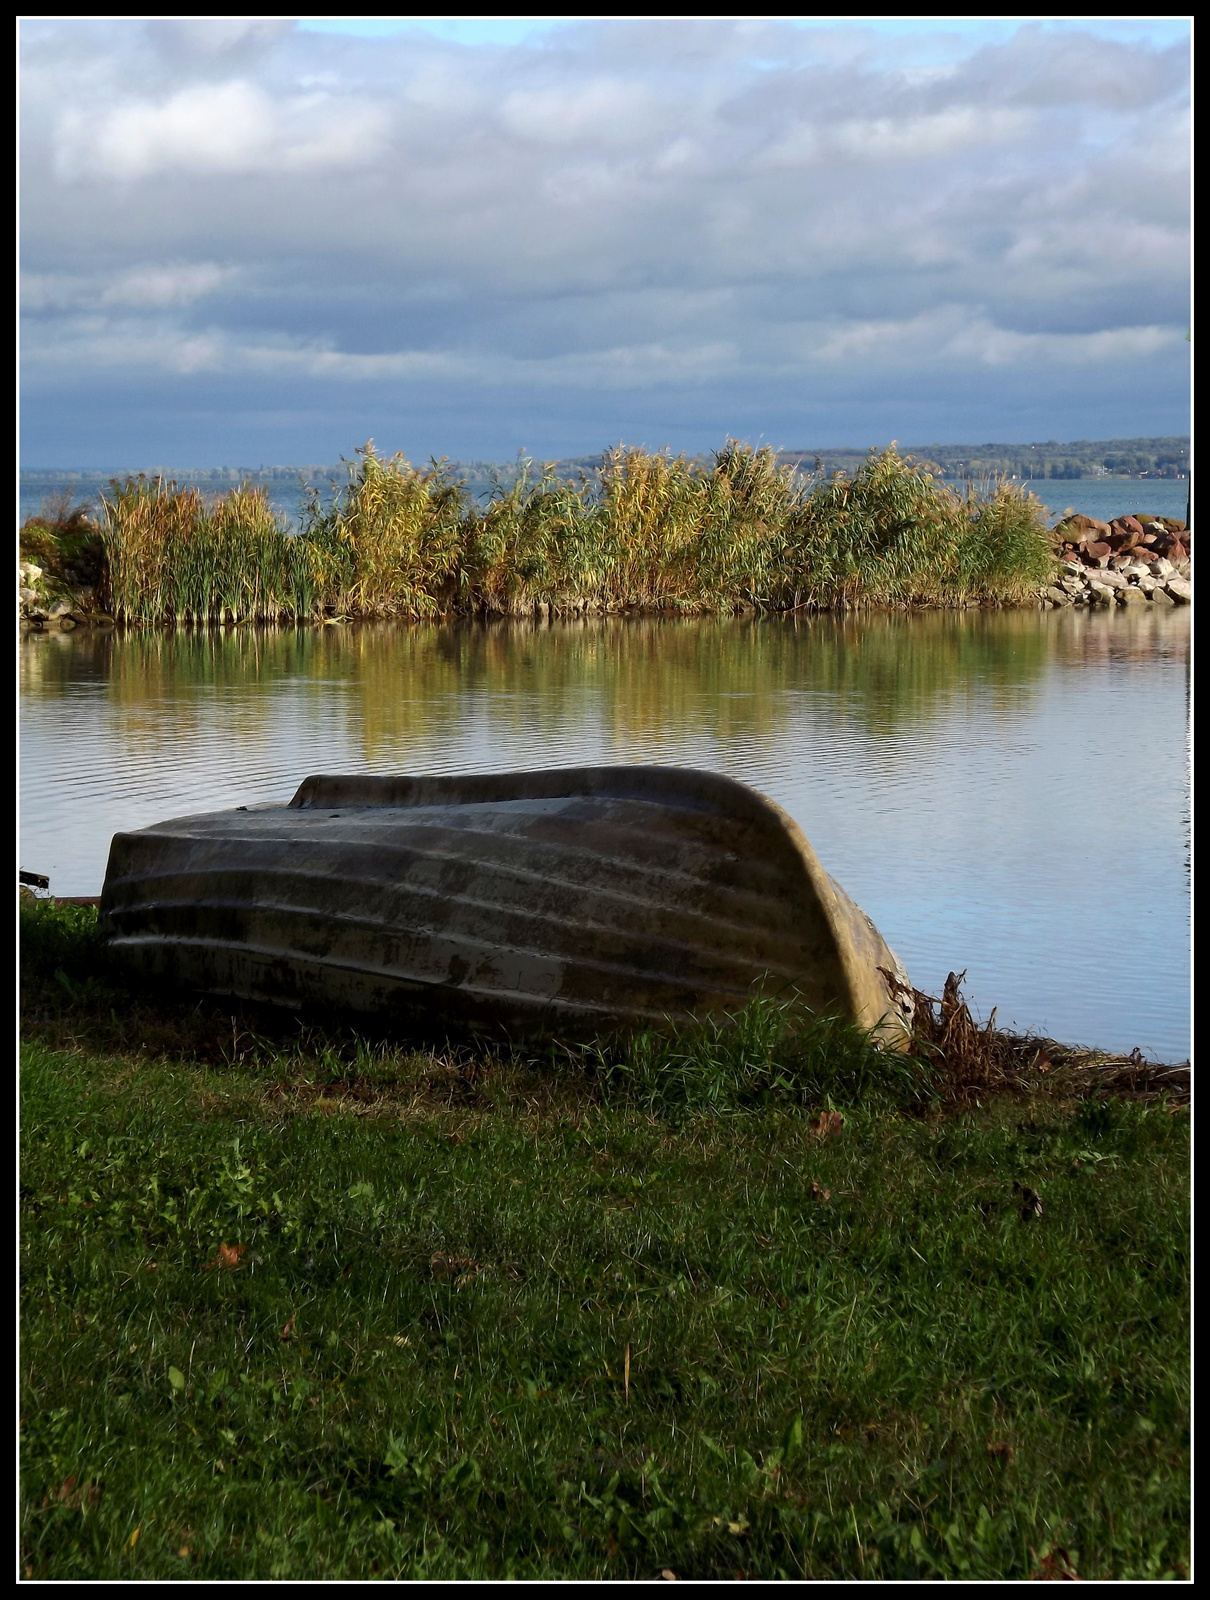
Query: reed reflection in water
{"x":1005,"y":791}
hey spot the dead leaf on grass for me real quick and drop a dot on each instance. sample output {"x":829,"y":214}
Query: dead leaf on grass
{"x":461,"y":1268}
{"x":818,"y":1192}
{"x":229,"y":1255}
{"x":74,"y":1495}
{"x":826,"y":1124}
{"x":1054,"y":1565}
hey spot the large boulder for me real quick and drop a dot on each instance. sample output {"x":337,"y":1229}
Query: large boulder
{"x":1125,"y":533}
{"x":1165,"y":542}
{"x":1170,"y":524}
{"x":1079,"y":529}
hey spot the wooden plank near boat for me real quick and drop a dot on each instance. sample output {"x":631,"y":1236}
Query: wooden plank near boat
{"x":572,"y":902}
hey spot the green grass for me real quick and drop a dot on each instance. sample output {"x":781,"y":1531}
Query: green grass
{"x":480,"y":1315}
{"x":648,"y":532}
{"x":766,"y":1055}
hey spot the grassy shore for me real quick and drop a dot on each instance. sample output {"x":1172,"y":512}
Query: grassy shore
{"x":648,"y":532}
{"x":751,"y":1302}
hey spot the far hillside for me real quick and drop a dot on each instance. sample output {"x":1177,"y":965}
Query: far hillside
{"x":1101,"y":458}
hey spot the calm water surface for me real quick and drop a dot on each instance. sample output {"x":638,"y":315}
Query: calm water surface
{"x":1002,"y":792}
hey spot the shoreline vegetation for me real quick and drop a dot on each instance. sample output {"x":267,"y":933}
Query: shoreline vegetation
{"x":754,"y":1301}
{"x":646,"y":532}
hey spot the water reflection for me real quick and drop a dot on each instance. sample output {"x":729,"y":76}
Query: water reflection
{"x":644,"y":674}
{"x":960,"y":773}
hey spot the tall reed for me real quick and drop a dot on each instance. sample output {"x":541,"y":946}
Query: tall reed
{"x":647,"y":531}
{"x":391,"y":540}
{"x":523,"y":547}
{"x":176,"y":554}
{"x":1005,"y":546}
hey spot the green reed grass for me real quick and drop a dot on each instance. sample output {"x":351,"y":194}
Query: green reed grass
{"x":176,"y":554}
{"x":648,"y":531}
{"x":1003,"y":541}
{"x":526,"y":547}
{"x":390,"y":542}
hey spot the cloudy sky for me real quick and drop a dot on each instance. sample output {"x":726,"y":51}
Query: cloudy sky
{"x":262,"y":240}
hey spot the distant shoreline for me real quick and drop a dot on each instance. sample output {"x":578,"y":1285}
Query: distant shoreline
{"x":1101,"y":459}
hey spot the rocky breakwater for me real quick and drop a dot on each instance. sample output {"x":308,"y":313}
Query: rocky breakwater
{"x":60,"y":595}
{"x":1136,"y":560}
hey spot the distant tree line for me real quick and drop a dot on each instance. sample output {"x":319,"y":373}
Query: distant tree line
{"x":1084,"y":458}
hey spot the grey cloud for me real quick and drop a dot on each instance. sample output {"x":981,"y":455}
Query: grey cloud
{"x":654,"y":205}
{"x":223,"y":39}
{"x":1070,"y":69}
{"x":148,"y":284}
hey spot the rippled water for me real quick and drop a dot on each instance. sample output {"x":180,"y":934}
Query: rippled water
{"x":1005,"y":792}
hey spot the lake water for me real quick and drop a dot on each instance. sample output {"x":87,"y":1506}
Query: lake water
{"x":1105,"y":498}
{"x":1005,"y":792}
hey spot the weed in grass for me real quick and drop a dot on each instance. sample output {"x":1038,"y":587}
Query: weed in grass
{"x":64,"y":541}
{"x":63,"y":538}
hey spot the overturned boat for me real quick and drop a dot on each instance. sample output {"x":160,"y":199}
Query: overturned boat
{"x":572,"y":903}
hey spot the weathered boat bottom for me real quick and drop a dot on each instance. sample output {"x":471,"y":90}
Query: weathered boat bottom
{"x":573,"y":902}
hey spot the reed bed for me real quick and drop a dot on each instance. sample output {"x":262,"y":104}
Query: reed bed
{"x":174,"y":554}
{"x":647,"y":531}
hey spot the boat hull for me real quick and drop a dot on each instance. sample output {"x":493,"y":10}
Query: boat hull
{"x":573,"y":903}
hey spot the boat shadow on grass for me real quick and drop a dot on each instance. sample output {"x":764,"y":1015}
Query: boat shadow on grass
{"x":75,"y":996}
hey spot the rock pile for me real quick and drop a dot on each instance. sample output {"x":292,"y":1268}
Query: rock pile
{"x":47,"y":599}
{"x":1130,"y":561}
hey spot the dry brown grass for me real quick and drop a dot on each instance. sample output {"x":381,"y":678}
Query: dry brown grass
{"x":973,"y":1061}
